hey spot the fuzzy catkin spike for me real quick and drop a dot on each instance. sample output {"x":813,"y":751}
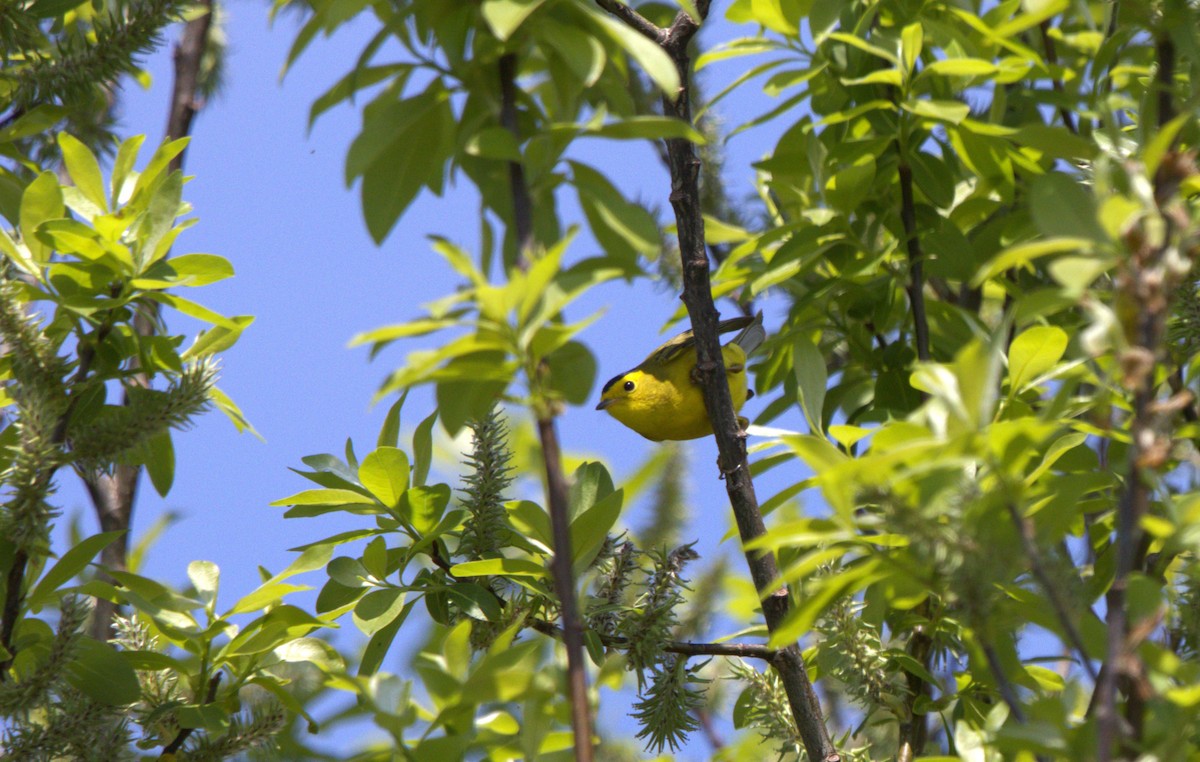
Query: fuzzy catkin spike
{"x":254,"y":733}
{"x":768,"y":709}
{"x":857,"y":656}
{"x":34,"y":690}
{"x":72,"y":727}
{"x":602,"y":614}
{"x":649,"y":623}
{"x":666,"y":712}
{"x":160,"y":688}
{"x":39,"y":391}
{"x":78,"y":65}
{"x":118,"y":430}
{"x":486,"y":527}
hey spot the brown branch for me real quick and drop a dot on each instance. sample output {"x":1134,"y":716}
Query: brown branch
{"x":682,"y":647}
{"x":1145,"y":280}
{"x":1056,"y":82}
{"x":1028,"y":534}
{"x":635,"y":20}
{"x":1006,"y":689}
{"x":556,"y":482}
{"x":914,"y":729}
{"x":113,"y":496}
{"x":916,"y":259}
{"x":684,"y":168}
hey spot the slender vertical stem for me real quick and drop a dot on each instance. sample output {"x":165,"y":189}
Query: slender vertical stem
{"x":556,"y":482}
{"x":684,"y":166}
{"x":113,"y":496}
{"x":916,"y":260}
{"x":1145,"y":281}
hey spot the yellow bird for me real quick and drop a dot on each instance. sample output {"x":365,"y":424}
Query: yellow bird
{"x":660,"y":399}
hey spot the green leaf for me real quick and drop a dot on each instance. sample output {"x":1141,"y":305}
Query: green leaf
{"x":218,"y":339}
{"x":849,"y":186}
{"x":198,"y":311}
{"x":1034,"y":352}
{"x":572,"y":372}
{"x":582,"y":54}
{"x":1023,"y":253}
{"x":348,"y":572}
{"x":1046,"y":679}
{"x":158,"y":456}
{"x":494,"y":143}
{"x":103,"y":674}
{"x":622,"y":228}
{"x":158,"y":164}
{"x":326,"y":497}
{"x":210,"y":718}
{"x":532,"y":521}
{"x":380,"y":642}
{"x":382,"y":154}
{"x":962,"y":67}
{"x":389,"y":432}
{"x":42,"y":201}
{"x":185,"y":270}
{"x":1158,"y":145}
{"x":865,"y":46}
{"x":155,"y":226}
{"x":462,"y":401}
{"x":590,"y":528}
{"x":126,"y":156}
{"x":424,"y":506}
{"x":64,"y":570}
{"x":385,"y":473}
{"x":912,"y":38}
{"x":648,"y":128}
{"x":475,"y":601}
{"x":378,"y":609}
{"x":811,"y":381}
{"x":84,"y":170}
{"x":500,"y":567}
{"x":422,"y":449}
{"x":1063,"y":206}
{"x":653,"y":59}
{"x":942,"y":111}
{"x":375,"y":558}
{"x":504,"y":16}
{"x":205,"y":577}
{"x":590,"y":483}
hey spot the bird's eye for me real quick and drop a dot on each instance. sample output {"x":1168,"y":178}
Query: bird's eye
{"x":629,"y":386}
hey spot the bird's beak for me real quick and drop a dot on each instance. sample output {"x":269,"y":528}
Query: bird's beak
{"x":605,"y":404}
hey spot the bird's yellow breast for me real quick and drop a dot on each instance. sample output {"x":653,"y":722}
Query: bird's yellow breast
{"x":665,"y":403}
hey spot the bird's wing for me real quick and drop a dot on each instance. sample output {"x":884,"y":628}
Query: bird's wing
{"x":752,"y":335}
{"x":673,"y":347}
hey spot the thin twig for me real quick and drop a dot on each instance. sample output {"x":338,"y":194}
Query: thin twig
{"x":633,"y":19}
{"x":682,"y":647}
{"x":1028,"y":534}
{"x":916,"y":260}
{"x":1052,"y":58}
{"x":1007,"y":692}
{"x":556,"y":482}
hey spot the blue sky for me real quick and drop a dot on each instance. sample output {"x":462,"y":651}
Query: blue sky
{"x":271,"y":198}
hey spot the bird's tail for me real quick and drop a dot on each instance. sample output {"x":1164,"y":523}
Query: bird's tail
{"x":752,"y":335}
